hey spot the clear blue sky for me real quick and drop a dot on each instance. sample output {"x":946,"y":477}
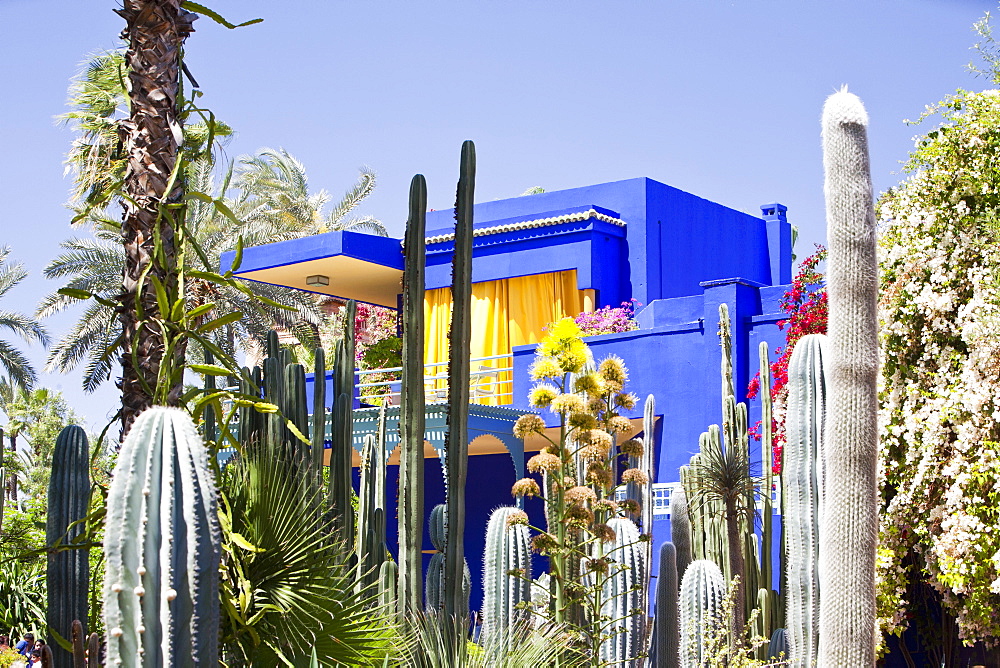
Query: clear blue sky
{"x":721,"y":99}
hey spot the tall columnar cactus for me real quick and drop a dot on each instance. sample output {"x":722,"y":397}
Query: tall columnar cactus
{"x":341,"y":488}
{"x":388,"y":576}
{"x":162,"y":547}
{"x":411,"y":411}
{"x":508,"y":548}
{"x":667,"y":627}
{"x":68,"y":573}
{"x":802,"y":474}
{"x":703,"y":591}
{"x":435,"y":585}
{"x":680,"y":529}
{"x":623,"y":595}
{"x":849,"y":528}
{"x":371,"y":507}
{"x":459,"y":337}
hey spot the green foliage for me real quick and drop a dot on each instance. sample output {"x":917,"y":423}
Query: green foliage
{"x":39,"y":416}
{"x":22,"y":596}
{"x":287,"y":588}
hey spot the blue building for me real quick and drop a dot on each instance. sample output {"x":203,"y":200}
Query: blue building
{"x":542,"y":257}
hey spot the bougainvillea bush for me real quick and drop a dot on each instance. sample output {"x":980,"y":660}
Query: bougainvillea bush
{"x":608,"y":320}
{"x":806,"y":306}
{"x":940,"y":395}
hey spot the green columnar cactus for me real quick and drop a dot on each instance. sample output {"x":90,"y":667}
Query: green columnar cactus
{"x":388,"y":575}
{"x":849,"y":527}
{"x":680,"y":529}
{"x":703,"y":591}
{"x":623,"y":597}
{"x":803,"y":497}
{"x":162,"y":547}
{"x":68,"y":572}
{"x":435,"y":585}
{"x":667,"y":638}
{"x":318,"y":426}
{"x":371,"y":507}
{"x":508,"y":548}
{"x":341,"y":488}
{"x":459,"y":337}
{"x":411,"y":410}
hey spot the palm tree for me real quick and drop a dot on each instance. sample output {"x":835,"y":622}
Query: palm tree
{"x":155,"y":31}
{"x":275,"y":184}
{"x":94,"y":265}
{"x":18,"y":370}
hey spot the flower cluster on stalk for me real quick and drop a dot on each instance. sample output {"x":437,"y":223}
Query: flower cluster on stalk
{"x":578,"y":465}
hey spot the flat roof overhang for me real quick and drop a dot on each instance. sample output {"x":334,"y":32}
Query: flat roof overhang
{"x":364,"y":267}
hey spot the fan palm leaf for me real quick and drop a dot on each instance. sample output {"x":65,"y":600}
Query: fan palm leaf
{"x":290,"y":590}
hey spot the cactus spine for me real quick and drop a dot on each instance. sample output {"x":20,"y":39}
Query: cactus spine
{"x":508,"y":548}
{"x":667,"y":638}
{"x":411,"y":417}
{"x":162,"y":547}
{"x":459,"y":337}
{"x":703,"y":591}
{"x":623,"y":595}
{"x":68,"y":571}
{"x":803,"y":493}
{"x":849,"y":527}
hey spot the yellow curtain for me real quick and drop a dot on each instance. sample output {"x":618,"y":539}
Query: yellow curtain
{"x":505,"y":313}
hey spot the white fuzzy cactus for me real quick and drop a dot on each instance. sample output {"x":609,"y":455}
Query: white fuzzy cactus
{"x":849,"y":526}
{"x":162,"y":547}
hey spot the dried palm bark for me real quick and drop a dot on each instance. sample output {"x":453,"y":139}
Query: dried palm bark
{"x":155,"y":32}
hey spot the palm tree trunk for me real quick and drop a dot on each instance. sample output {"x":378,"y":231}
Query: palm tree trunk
{"x":155,"y":31}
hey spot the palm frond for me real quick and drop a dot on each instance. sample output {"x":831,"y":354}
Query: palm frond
{"x":352,"y":198}
{"x":301,"y":584}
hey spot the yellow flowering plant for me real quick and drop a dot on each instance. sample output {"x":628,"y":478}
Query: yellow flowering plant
{"x":578,"y":467}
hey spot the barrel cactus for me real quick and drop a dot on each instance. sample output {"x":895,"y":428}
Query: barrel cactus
{"x":68,"y":570}
{"x":703,"y":591}
{"x":162,"y":547}
{"x":508,"y":549}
